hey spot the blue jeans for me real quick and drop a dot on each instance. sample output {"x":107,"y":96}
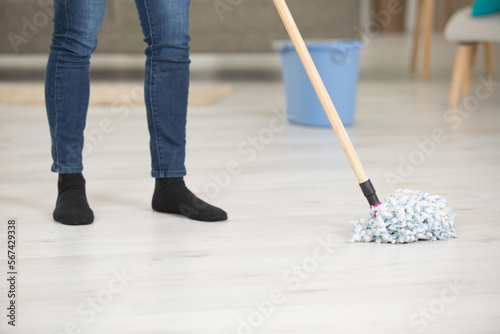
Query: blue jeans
{"x":165,"y":26}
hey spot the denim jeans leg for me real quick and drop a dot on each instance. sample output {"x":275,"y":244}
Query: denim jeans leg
{"x":76,"y":24}
{"x":166,"y":82}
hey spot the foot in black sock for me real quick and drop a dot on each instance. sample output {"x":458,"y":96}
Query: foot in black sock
{"x":72,"y":207}
{"x":172,"y":196}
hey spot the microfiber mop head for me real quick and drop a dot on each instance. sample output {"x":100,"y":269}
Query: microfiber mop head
{"x":407,"y":216}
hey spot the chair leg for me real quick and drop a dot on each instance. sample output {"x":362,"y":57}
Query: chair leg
{"x":416,"y":38}
{"x":489,"y":59}
{"x":429,"y":19}
{"x":461,"y":63}
{"x":469,"y":69}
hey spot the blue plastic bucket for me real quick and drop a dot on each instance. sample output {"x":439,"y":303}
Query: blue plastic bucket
{"x":338,"y":65}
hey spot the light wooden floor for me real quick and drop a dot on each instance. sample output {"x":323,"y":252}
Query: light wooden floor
{"x":281,"y":263}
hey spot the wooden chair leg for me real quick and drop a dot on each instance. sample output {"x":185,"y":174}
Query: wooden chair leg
{"x":461,"y":63}
{"x":429,"y":19}
{"x":469,"y":69}
{"x":489,"y":59}
{"x":416,"y":38}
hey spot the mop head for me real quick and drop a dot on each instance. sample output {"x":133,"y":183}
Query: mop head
{"x":407,"y":216}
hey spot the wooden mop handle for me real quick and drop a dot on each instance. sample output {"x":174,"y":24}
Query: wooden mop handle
{"x":320,"y":88}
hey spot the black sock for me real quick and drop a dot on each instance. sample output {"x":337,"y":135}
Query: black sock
{"x":72,"y":207}
{"x":172,"y":196}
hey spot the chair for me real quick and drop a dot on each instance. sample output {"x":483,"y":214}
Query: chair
{"x":425,"y":13}
{"x":468,"y":32}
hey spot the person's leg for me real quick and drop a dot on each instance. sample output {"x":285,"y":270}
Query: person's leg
{"x":165,"y":26}
{"x":76,"y":24}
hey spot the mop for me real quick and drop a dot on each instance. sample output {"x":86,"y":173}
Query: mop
{"x":406,"y":215}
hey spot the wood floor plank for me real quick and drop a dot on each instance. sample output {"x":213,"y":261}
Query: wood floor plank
{"x":290,"y":208}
